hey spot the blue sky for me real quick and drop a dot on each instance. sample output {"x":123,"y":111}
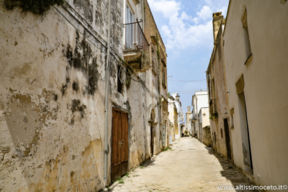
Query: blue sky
{"x":186,"y":29}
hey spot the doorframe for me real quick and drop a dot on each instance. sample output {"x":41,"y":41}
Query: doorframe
{"x":228,"y":134}
{"x":245,"y":131}
{"x":152,"y":135}
{"x":242,"y":100}
{"x":123,"y":110}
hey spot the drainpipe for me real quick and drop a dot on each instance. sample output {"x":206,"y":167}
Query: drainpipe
{"x":107,"y":96}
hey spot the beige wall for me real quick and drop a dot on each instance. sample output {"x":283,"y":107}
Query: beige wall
{"x":218,"y":95}
{"x":188,"y":125}
{"x":171,"y":117}
{"x":204,"y":117}
{"x":265,"y":88}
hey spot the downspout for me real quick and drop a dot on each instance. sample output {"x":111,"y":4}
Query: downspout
{"x":107,"y":96}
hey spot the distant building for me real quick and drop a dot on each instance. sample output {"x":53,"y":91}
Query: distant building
{"x":176,"y":118}
{"x":188,"y":121}
{"x":181,"y":124}
{"x":199,"y":101}
{"x":173,"y":119}
{"x":204,"y":126}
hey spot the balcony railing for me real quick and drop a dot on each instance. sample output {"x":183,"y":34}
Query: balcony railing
{"x":134,"y":37}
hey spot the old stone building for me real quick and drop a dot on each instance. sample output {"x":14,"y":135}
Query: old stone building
{"x":204,"y":126}
{"x":172,"y":119}
{"x":218,"y":96}
{"x":249,"y":93}
{"x":188,"y":121}
{"x":180,"y":113}
{"x":145,"y":52}
{"x":176,"y":118}
{"x":73,"y":103}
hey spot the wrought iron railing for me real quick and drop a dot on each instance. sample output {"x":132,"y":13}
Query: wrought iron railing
{"x":134,"y":37}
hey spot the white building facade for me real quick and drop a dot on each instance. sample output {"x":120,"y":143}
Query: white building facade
{"x":199,"y":102}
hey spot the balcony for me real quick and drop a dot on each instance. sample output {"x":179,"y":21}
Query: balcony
{"x":135,"y":46}
{"x":134,"y":37}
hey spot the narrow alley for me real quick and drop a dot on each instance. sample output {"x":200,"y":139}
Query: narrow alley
{"x":143,"y":95}
{"x":187,"y":166}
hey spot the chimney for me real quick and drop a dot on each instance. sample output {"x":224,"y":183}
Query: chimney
{"x":177,"y":97}
{"x":217,"y":21}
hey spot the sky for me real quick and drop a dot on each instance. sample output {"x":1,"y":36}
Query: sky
{"x":186,"y":29}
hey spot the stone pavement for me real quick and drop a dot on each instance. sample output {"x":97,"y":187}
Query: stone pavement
{"x":188,"y":167}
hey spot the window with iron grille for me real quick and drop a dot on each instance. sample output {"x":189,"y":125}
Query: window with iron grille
{"x":129,"y":28}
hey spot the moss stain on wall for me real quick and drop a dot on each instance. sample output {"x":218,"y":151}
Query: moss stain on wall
{"x":34,"y":6}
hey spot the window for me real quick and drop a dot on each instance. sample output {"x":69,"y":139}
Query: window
{"x":164,"y":78}
{"x":129,"y":29}
{"x":246,"y":37}
{"x":213,"y":109}
{"x":119,"y":79}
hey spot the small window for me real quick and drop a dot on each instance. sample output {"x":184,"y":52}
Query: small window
{"x":164,"y":76}
{"x":246,"y":36}
{"x":232,"y":118}
{"x":119,"y":79}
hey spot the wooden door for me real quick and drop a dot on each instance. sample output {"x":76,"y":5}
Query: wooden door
{"x":119,"y":164}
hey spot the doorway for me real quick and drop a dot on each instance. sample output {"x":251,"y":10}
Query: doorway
{"x":227,"y":139}
{"x":152,"y":140}
{"x":246,"y":146}
{"x":120,"y":149}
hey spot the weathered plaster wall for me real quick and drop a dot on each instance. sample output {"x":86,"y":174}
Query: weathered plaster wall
{"x":204,"y":117}
{"x":138,"y":145}
{"x":144,"y":91}
{"x":172,"y":113}
{"x":265,"y":79}
{"x":218,"y":96}
{"x":158,"y":62}
{"x":188,"y":125}
{"x":52,"y":96}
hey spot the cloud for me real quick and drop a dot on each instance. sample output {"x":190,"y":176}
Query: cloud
{"x":205,"y":13}
{"x":182,"y":31}
{"x":168,"y":8}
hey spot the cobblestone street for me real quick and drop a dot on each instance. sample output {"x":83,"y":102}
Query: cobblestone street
{"x":188,"y":167}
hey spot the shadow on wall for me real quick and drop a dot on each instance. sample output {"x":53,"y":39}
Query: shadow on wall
{"x":232,"y":173}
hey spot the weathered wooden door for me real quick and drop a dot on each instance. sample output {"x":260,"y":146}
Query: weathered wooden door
{"x":119,"y":164}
